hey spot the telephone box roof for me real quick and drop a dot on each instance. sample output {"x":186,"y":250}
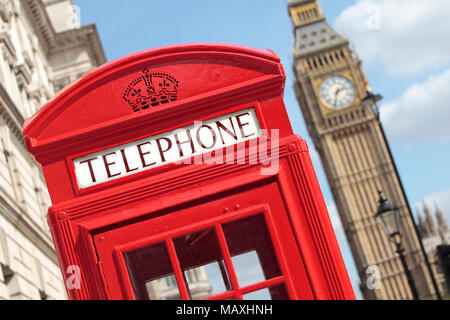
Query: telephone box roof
{"x":201,"y":71}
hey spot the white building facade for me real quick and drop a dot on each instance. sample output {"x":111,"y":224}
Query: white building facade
{"x":43,"y":49}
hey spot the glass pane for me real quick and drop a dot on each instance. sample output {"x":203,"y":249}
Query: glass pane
{"x":248,"y":269}
{"x":163,"y":289}
{"x":252,"y":251}
{"x":277,"y":292}
{"x":263,"y":294}
{"x":202,"y":264}
{"x":390,"y":222}
{"x":211,"y":275}
{"x":151,"y":273}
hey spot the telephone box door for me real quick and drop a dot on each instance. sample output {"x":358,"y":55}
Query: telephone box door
{"x":238,"y":246}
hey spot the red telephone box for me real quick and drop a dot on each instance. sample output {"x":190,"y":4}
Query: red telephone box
{"x":174,"y":173}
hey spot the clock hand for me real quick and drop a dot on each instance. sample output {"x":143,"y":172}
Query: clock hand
{"x":335,"y":96}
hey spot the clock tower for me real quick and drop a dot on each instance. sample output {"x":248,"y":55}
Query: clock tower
{"x":330,"y":87}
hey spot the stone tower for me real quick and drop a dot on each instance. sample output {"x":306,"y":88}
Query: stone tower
{"x":331,"y":88}
{"x":442,"y":225}
{"x":432,"y":237}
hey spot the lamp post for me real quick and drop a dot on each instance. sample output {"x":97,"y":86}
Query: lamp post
{"x":370,"y":101}
{"x":388,"y":213}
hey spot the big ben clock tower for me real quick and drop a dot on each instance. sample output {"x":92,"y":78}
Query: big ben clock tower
{"x":330,"y":87}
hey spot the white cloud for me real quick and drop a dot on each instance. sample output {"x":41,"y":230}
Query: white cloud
{"x":406,"y":36}
{"x":421,"y":113}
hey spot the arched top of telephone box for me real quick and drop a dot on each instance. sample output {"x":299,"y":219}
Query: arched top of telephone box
{"x":131,"y":93}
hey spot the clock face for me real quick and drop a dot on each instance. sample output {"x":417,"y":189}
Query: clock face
{"x":337,"y":91}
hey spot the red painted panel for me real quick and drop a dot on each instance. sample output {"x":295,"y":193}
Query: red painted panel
{"x":265,"y":200}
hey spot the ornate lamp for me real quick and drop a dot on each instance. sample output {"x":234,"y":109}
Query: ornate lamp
{"x":370,"y":101}
{"x":388,"y":213}
{"x":390,"y":219}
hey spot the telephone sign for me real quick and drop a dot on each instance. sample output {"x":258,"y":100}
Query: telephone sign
{"x":166,"y":147}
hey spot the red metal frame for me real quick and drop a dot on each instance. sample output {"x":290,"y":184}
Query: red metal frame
{"x":214,"y":79}
{"x":114,"y":243}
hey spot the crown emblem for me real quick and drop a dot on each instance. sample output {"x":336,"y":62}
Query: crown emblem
{"x":151,"y":90}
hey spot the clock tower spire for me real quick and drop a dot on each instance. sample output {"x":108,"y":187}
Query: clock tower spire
{"x":331,"y":88}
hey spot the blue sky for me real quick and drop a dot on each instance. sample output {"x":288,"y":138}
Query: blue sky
{"x":406,"y":59}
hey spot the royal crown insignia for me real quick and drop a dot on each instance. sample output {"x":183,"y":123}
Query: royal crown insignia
{"x":151,"y":90}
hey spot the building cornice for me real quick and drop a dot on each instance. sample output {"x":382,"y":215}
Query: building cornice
{"x":54,"y":41}
{"x":11,"y":115}
{"x":38,"y":16}
{"x":7,"y":48}
{"x":86,"y":35}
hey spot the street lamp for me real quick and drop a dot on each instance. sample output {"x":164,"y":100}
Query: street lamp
{"x":389,"y":215}
{"x":370,"y":102}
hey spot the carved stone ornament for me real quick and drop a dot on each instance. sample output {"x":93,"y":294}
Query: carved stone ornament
{"x":7,"y":49}
{"x":6,"y":10}
{"x":23,"y":74}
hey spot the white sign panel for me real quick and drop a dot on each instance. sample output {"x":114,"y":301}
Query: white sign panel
{"x":167,"y":147}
